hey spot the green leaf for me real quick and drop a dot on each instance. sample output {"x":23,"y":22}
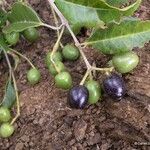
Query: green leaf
{"x":91,"y":13}
{"x":10,"y":96}
{"x":116,"y":2}
{"x":3,"y":17}
{"x":120,"y":38}
{"x":22,"y":17}
{"x":19,"y":26}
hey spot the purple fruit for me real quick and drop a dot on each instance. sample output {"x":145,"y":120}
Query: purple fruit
{"x":78,"y":97}
{"x":114,"y":86}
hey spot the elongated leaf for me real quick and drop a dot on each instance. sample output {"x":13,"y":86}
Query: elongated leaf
{"x":116,"y":2}
{"x":93,"y":13}
{"x":22,"y":17}
{"x":9,"y":97}
{"x":121,"y":38}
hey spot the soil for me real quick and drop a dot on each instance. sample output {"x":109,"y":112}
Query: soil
{"x":46,"y":121}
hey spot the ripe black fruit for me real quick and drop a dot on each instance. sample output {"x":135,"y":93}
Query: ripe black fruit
{"x":114,"y":86}
{"x":78,"y":97}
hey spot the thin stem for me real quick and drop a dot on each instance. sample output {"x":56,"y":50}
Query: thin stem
{"x":56,"y":23}
{"x":103,"y":69}
{"x":24,"y":57}
{"x":85,"y":77}
{"x":89,"y":73}
{"x":79,"y":47}
{"x":8,"y":62}
{"x":52,"y":27}
{"x":17,"y":100}
{"x":56,"y":47}
{"x":65,"y":22}
{"x":16,"y":59}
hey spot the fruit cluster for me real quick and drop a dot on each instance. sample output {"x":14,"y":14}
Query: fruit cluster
{"x":56,"y":67}
{"x":31,"y":35}
{"x":91,"y":92}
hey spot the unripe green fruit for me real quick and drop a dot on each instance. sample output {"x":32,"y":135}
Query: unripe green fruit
{"x":94,"y":91}
{"x":125,"y":62}
{"x":60,"y":66}
{"x":63,"y":80}
{"x":56,"y":57}
{"x":5,"y":115}
{"x":33,"y":76}
{"x":70,"y":52}
{"x":12,"y":38}
{"x":31,"y":34}
{"x":6,"y":130}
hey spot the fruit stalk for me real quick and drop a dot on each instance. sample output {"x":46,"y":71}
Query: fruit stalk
{"x":56,"y":23}
{"x":24,"y":57}
{"x":51,"y":27}
{"x":56,"y":47}
{"x":103,"y":69}
{"x":17,"y":100}
{"x":85,"y":77}
{"x":9,"y":64}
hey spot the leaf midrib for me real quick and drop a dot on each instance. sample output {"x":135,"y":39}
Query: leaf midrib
{"x":88,"y":43}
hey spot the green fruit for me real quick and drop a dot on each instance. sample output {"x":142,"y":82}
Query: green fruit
{"x":56,"y":57}
{"x":60,"y":66}
{"x":70,"y":52}
{"x":125,"y":62}
{"x":31,"y":34}
{"x":6,"y":130}
{"x":33,"y":76}
{"x":63,"y":80}
{"x":4,"y":114}
{"x":12,"y":38}
{"x":94,"y":91}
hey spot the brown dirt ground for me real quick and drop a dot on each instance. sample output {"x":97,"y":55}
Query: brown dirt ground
{"x":47,"y":123}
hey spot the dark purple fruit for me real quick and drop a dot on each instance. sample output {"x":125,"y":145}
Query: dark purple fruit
{"x":78,"y":97}
{"x":114,"y":86}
